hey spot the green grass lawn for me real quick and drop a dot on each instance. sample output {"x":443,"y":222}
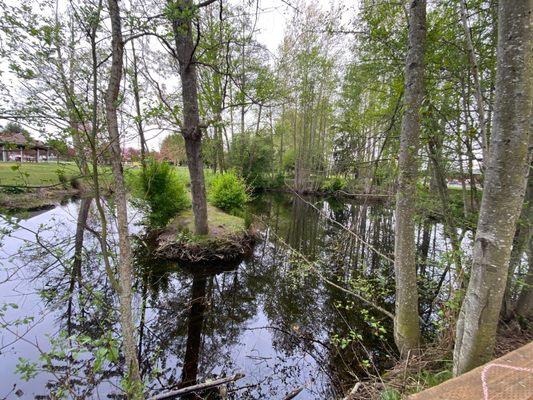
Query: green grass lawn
{"x":35,"y":174}
{"x":183,"y":174}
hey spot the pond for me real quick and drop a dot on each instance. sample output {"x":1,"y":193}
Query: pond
{"x":281,"y":317}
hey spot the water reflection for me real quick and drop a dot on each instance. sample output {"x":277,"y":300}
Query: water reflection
{"x":271,"y":316}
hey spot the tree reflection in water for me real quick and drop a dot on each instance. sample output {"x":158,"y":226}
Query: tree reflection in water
{"x":269,"y":317}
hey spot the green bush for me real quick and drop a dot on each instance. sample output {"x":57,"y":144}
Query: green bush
{"x":228,"y":192}
{"x":76,"y":183}
{"x":253,"y":158}
{"x":62,"y":177}
{"x":334,"y":184}
{"x":278,"y":181}
{"x":161,"y":190}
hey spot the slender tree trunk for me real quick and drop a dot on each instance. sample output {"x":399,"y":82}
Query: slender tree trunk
{"x":81,"y":222}
{"x":70,"y":99}
{"x":406,"y":325}
{"x":522,"y":237}
{"x":125,"y":260}
{"x":505,"y":181}
{"x":138,"y":114}
{"x":282,"y":134}
{"x":435,"y":154}
{"x":191,"y":129}
{"x":477,"y":85}
{"x":524,"y":304}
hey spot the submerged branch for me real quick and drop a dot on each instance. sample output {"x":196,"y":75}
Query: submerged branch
{"x":199,"y":387}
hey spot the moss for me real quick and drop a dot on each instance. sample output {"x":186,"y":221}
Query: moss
{"x":220,"y":224}
{"x":228,"y":239}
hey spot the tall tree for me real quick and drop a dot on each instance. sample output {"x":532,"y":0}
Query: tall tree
{"x":134,"y":389}
{"x":504,"y":187}
{"x":474,"y":67}
{"x":406,"y":326}
{"x":181,"y":13}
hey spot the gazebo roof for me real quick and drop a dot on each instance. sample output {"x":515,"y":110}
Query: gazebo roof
{"x":19,"y":139}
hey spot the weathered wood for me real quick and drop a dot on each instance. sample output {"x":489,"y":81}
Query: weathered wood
{"x":501,"y":380}
{"x":197,"y":388}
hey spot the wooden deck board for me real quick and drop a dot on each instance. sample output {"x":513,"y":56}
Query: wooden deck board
{"x":502,"y":383}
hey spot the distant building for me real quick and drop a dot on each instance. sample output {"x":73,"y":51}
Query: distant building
{"x":18,"y":147}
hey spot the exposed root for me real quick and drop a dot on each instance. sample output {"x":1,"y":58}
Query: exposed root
{"x":205,"y":250}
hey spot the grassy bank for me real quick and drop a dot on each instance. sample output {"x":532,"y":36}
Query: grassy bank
{"x":36,"y":174}
{"x":34,"y":185}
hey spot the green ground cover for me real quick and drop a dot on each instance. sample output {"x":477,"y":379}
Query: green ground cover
{"x":36,"y":174}
{"x":220,"y":223}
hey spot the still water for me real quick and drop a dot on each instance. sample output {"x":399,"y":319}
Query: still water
{"x":275,"y":317}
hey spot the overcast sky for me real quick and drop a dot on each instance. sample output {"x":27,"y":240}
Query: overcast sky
{"x":275,"y":14}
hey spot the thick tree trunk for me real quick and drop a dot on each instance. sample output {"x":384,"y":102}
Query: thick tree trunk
{"x":125,"y":260}
{"x":406,"y":326}
{"x":196,"y":172}
{"x":504,"y":187}
{"x":191,"y":130}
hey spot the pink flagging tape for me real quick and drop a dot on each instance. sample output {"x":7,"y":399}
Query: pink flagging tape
{"x":486,"y":370}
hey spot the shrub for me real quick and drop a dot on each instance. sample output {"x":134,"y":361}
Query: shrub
{"x":253,"y":158}
{"x":76,"y":183}
{"x":62,"y":177}
{"x":334,"y":184}
{"x":228,"y":192}
{"x":161,"y":190}
{"x":13,"y":189}
{"x":278,"y":181}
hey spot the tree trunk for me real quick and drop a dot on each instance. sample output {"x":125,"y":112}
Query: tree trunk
{"x":504,"y":187}
{"x":521,"y":240}
{"x":524,"y":304}
{"x":406,"y":326}
{"x":450,"y":225}
{"x":81,"y":222}
{"x":125,"y":260}
{"x":191,"y":130}
{"x":477,"y":85}
{"x":138,"y":113}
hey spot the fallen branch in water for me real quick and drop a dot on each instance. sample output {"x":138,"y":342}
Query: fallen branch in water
{"x":353,"y":391}
{"x":292,"y":394}
{"x":197,"y":388}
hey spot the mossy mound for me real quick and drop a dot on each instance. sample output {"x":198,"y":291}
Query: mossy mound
{"x":228,"y":239}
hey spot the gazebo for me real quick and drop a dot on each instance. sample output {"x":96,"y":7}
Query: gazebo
{"x":17,"y":147}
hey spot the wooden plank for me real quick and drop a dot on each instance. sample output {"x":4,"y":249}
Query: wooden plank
{"x":507,"y":378}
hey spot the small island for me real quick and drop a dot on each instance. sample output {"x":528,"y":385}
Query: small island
{"x":228,"y":239}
